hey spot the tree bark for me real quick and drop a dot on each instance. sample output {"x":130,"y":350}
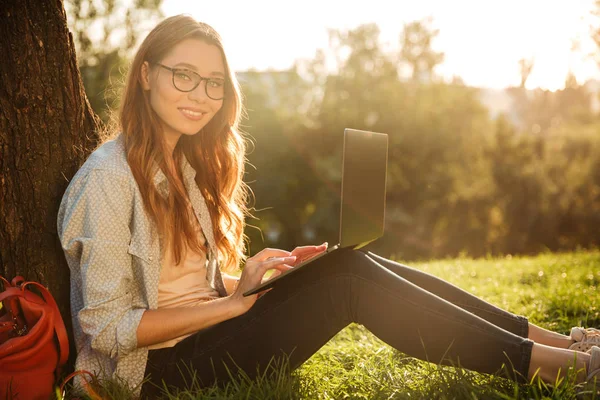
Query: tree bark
{"x":47,"y":129}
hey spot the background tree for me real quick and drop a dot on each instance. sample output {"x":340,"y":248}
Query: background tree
{"x":525,"y":68}
{"x":417,"y":51}
{"x":47,"y":129}
{"x":105,"y":34}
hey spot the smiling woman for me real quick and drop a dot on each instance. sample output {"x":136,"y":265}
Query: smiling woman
{"x":181,"y":108}
{"x":153,"y":216}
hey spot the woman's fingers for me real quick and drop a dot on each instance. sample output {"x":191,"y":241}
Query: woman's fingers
{"x":301,"y":252}
{"x":254,"y":272}
{"x":278,"y":263}
{"x":304,"y":253}
{"x":269,"y":253}
{"x":257,"y":269}
{"x":304,"y":250}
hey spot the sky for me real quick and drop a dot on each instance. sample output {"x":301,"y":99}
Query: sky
{"x":483,"y":40}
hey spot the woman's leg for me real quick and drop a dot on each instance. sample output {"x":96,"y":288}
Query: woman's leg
{"x":549,"y":338}
{"x":497,"y":316}
{"x":550,"y":362}
{"x":455,"y":295}
{"x":305,"y":310}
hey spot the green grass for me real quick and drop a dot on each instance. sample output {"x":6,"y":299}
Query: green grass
{"x":556,"y":291}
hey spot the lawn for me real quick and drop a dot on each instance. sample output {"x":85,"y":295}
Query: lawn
{"x":556,"y":291}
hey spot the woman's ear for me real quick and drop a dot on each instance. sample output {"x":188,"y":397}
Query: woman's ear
{"x":145,"y":75}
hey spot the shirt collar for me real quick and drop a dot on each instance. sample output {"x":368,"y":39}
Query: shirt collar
{"x":160,"y":179}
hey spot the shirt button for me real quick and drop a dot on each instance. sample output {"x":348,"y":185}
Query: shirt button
{"x":150,"y":258}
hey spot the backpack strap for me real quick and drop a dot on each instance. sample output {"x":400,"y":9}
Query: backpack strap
{"x":6,"y":283}
{"x":88,"y":387}
{"x":59,"y":325}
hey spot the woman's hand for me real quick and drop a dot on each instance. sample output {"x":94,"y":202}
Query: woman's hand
{"x":304,"y":253}
{"x":255,"y":269}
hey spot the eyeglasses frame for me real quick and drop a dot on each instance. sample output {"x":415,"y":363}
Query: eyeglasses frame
{"x":174,"y":70}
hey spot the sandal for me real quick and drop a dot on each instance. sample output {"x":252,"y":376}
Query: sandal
{"x":584,"y":339}
{"x":594,"y":368}
{"x":591,"y":386}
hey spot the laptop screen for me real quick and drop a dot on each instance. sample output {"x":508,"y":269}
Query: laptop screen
{"x":364,"y":172}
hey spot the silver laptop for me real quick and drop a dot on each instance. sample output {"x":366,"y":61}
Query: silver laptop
{"x":362,"y":211}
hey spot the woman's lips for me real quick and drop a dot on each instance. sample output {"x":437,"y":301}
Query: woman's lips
{"x":192,"y":114}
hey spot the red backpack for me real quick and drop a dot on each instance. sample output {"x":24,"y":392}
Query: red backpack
{"x":33,"y":341}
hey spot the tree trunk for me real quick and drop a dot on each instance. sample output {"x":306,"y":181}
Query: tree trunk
{"x":47,"y":129}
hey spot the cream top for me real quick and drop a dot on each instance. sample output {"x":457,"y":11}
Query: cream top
{"x":183,"y":285}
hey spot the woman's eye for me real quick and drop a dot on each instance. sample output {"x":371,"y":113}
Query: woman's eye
{"x":183,"y":76}
{"x":215,"y":83}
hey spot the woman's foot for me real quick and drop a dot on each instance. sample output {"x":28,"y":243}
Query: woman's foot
{"x":594,"y":368}
{"x":584,"y":339}
{"x":591,"y":384}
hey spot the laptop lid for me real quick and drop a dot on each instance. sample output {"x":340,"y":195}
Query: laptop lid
{"x":362,"y":211}
{"x":364,"y":174}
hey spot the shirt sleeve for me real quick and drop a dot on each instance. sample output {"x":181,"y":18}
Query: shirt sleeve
{"x":94,"y":232}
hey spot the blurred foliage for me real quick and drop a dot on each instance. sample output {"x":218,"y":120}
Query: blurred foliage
{"x":460,"y":181}
{"x":416,"y":41}
{"x":105,"y":33}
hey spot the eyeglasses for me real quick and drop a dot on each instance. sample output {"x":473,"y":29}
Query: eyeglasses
{"x":185,"y":80}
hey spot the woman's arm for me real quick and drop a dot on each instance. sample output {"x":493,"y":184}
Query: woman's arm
{"x":157,"y":326}
{"x":164,"y":324}
{"x":93,"y":226}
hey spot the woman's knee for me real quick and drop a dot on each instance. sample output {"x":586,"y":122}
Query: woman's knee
{"x":343,"y":263}
{"x":351,"y":258}
{"x":357,"y":263}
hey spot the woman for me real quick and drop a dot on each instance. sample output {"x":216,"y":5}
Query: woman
{"x":153,"y":216}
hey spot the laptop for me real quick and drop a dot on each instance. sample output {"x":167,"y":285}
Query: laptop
{"x":362,"y":209}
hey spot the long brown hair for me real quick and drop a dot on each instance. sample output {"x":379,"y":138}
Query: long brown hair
{"x":217,"y":152}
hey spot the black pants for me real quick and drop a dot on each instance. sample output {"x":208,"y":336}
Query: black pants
{"x":417,"y":313}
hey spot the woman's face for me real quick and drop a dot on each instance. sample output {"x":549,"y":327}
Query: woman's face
{"x":185,"y":113}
